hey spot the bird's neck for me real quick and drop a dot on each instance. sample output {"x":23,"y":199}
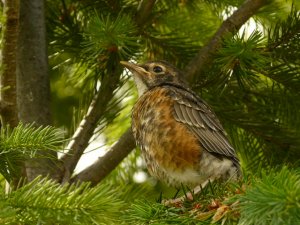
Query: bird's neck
{"x":140,"y":85}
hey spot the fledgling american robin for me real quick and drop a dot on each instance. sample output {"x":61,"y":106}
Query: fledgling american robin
{"x":181,"y":139}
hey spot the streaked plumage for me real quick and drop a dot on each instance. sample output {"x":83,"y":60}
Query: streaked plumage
{"x":181,"y":139}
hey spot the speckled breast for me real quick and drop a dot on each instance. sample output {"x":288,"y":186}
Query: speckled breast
{"x":171,"y":151}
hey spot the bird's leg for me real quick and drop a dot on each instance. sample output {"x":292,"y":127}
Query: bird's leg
{"x":199,"y":188}
{"x":189,"y":195}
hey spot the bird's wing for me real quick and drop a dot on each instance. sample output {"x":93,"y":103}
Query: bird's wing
{"x":202,"y":122}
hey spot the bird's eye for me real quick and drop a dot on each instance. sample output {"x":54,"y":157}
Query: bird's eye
{"x":157,"y":69}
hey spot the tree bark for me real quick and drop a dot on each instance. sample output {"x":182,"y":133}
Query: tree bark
{"x":8,"y":107}
{"x":8,"y":104}
{"x":144,"y":11}
{"x":33,"y":79}
{"x":33,"y":84}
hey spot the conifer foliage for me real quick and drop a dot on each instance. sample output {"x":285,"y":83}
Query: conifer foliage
{"x":242,"y":57}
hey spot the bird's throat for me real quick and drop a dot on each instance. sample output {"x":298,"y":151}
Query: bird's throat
{"x":141,"y":86}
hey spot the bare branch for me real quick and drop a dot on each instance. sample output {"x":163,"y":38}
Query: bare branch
{"x":144,"y":11}
{"x":230,"y":25}
{"x":104,"y":165}
{"x":85,"y":130}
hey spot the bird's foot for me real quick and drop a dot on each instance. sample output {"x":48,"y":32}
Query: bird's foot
{"x":177,"y":202}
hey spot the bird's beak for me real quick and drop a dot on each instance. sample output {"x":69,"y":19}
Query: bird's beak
{"x":134,"y":68}
{"x":140,"y":76}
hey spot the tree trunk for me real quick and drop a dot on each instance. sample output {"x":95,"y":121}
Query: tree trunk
{"x":33,"y":84}
{"x":8,"y":106}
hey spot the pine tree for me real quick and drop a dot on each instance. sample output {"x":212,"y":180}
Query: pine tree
{"x":249,"y":77}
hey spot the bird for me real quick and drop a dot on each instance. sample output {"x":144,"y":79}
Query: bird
{"x":181,"y":139}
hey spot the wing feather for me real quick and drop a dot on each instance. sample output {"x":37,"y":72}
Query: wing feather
{"x":201,"y":121}
{"x":203,"y":140}
{"x":185,"y":113}
{"x":196,"y":116}
{"x":178,"y":114}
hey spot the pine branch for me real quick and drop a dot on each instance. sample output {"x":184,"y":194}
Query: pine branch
{"x":107,"y":41}
{"x":44,"y":201}
{"x":22,"y":143}
{"x":269,"y":198}
{"x":262,"y":123}
{"x":28,"y":137}
{"x":85,"y":130}
{"x":207,"y":207}
{"x":231,"y":25}
{"x":145,"y":212}
{"x":179,"y":49}
{"x":284,"y":32}
{"x":272,"y":200}
{"x":104,"y":165}
{"x":285,"y":74}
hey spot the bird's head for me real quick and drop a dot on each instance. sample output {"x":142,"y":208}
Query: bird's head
{"x":152,"y":74}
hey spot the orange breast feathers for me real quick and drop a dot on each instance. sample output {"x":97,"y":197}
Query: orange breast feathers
{"x":160,"y":136}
